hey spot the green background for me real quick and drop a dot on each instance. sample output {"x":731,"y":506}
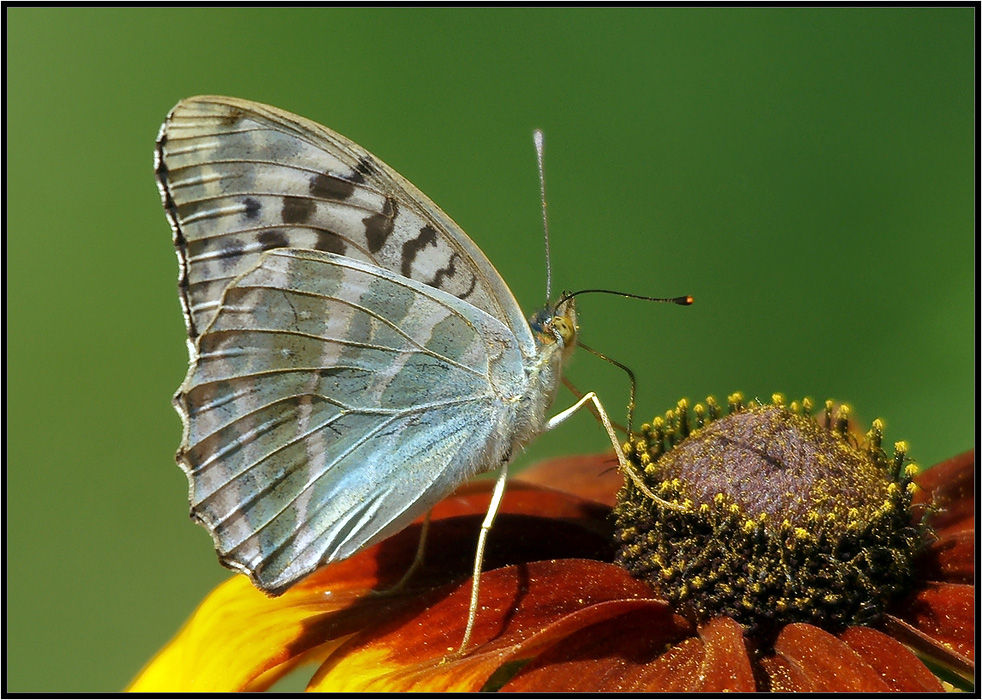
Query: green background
{"x":807,"y":174}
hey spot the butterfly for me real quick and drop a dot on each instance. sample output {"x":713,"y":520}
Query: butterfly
{"x":354,"y":356}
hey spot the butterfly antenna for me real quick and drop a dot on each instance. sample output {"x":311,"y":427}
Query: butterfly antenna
{"x":539,"y":146}
{"x":681,"y":301}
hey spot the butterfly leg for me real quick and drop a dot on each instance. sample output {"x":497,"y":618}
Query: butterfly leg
{"x":499,"y":490}
{"x":417,"y":560}
{"x":625,"y":466}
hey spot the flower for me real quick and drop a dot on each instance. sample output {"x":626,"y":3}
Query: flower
{"x":556,"y":614}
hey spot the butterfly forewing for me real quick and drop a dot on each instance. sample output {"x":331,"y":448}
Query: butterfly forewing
{"x":239,"y":178}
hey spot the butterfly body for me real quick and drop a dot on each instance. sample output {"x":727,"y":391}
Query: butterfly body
{"x":354,"y":356}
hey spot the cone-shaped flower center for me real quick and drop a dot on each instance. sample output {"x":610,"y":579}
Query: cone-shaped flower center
{"x":767,"y":516}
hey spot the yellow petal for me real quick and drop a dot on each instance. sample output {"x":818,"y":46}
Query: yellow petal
{"x":241,"y":639}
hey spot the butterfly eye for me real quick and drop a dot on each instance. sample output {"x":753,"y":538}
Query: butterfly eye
{"x":565,"y":328}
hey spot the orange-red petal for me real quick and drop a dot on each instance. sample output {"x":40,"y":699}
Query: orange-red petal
{"x":784,"y":677}
{"x":647,"y":650}
{"x":949,"y":488}
{"x":519,"y":607}
{"x":543,"y":500}
{"x":928,"y":647}
{"x":241,"y":639}
{"x":896,"y":665}
{"x":612,"y":655}
{"x":950,"y":558}
{"x":945,"y":612}
{"x":590,"y":477}
{"x":725,"y":666}
{"x":826,"y":663}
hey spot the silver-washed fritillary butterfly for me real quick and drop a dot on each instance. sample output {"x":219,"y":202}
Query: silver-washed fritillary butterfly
{"x":354,"y":356}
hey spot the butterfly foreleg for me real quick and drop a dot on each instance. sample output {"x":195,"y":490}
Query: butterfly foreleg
{"x":626,"y":468}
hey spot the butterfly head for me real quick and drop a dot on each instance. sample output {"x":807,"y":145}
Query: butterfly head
{"x":556,"y":324}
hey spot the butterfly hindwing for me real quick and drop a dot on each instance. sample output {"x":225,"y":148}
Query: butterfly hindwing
{"x":331,"y":403}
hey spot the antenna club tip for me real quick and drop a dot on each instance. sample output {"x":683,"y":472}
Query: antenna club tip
{"x":537,"y":137}
{"x":684,"y":301}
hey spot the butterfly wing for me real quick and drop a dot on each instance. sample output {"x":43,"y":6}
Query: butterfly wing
{"x":353,"y":354}
{"x":331,"y":403}
{"x":238,"y":178}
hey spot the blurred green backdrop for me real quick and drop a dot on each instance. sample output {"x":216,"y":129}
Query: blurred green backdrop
{"x":807,"y":174}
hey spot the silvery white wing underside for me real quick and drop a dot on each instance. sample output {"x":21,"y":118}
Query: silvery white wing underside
{"x":354,"y":355}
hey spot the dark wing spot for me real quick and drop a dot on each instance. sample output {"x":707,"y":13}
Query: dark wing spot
{"x":449,"y":271}
{"x":273,"y":239}
{"x":231,"y":249}
{"x":378,"y":227}
{"x":411,"y":248}
{"x":365,"y":168}
{"x":234,"y":115}
{"x":470,"y":290}
{"x":330,"y":242}
{"x":252,"y":207}
{"x":330,"y":187}
{"x":297,"y":210}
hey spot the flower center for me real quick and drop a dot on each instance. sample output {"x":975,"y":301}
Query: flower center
{"x":767,"y":516}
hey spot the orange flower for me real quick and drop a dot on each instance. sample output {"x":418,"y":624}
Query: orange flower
{"x":556,"y":615}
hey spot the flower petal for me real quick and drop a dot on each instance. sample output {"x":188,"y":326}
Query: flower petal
{"x":614,"y":655}
{"x":949,"y":487}
{"x":726,"y":666}
{"x":236,"y":636}
{"x":591,"y":477}
{"x":532,"y":498}
{"x":676,"y":670}
{"x":784,"y":677}
{"x":627,"y":654}
{"x":826,"y":663}
{"x":951,"y":558}
{"x":240,"y":639}
{"x":896,"y":665}
{"x":417,"y":652}
{"x":928,"y":647}
{"x":945,"y":612}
